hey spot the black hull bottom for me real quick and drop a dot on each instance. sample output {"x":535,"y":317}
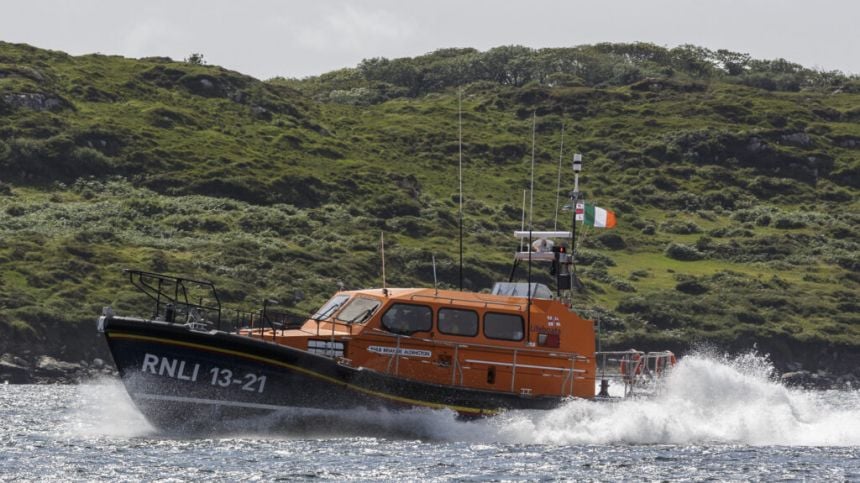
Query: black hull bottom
{"x":179,"y":377}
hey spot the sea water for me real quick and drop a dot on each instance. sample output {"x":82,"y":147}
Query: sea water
{"x":713,"y":418}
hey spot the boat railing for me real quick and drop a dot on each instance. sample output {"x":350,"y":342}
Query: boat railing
{"x":196,"y":303}
{"x":571,"y":372}
{"x":634,"y":369}
{"x":470,"y":302}
{"x":264,"y":321}
{"x":174,"y":297}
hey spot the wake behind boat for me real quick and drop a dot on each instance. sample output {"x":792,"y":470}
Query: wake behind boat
{"x":520,"y":346}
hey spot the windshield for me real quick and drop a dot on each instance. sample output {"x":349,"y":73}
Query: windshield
{"x":330,"y":307}
{"x":358,"y":311}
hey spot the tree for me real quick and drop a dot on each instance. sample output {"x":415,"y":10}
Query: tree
{"x":195,"y":59}
{"x":733,"y":63}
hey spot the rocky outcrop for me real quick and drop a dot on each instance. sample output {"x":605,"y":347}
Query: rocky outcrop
{"x":35,"y":101}
{"x":819,"y":379}
{"x":47,"y":369}
{"x":14,"y":370}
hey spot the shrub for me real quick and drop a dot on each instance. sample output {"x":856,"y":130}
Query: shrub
{"x":691,"y":287}
{"x":633,"y":305}
{"x":747,"y":317}
{"x":612,"y":241}
{"x":622,"y":286}
{"x":788,"y":222}
{"x":683,"y":252}
{"x":680,"y":227}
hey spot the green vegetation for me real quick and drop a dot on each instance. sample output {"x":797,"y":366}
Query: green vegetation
{"x":735,"y":182}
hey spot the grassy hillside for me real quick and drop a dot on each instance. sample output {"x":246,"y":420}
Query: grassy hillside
{"x":735,"y":182}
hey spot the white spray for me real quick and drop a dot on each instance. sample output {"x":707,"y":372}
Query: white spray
{"x":706,"y":400}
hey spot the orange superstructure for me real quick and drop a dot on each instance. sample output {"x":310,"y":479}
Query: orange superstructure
{"x":471,"y":340}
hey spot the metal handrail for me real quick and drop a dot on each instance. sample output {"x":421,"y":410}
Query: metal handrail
{"x":143,"y":280}
{"x":485,"y":303}
{"x":634,"y":367}
{"x":394,"y":359}
{"x":545,"y":352}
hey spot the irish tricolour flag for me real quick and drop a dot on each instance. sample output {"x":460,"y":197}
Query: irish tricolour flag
{"x":594,"y":216}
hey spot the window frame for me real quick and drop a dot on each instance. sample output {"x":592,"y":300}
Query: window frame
{"x":522,"y":325}
{"x":474,"y":312}
{"x":355,"y":299}
{"x":388,"y":309}
{"x":334,"y":311}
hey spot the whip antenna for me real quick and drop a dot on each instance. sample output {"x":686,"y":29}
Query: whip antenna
{"x":435,"y":283}
{"x":523,"y":222}
{"x":531,"y":226}
{"x":558,"y":183}
{"x":460,"y":129}
{"x":382,"y":252}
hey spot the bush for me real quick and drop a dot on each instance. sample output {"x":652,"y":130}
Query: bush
{"x":691,"y":287}
{"x":633,"y":305}
{"x":683,"y":252}
{"x":680,"y":227}
{"x":788,"y":223}
{"x":622,"y":286}
{"x":612,"y":241}
{"x":763,"y":220}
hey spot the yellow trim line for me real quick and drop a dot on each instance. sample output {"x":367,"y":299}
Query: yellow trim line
{"x":415,"y":402}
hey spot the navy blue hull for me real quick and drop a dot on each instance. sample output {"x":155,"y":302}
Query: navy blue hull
{"x":180,"y":376}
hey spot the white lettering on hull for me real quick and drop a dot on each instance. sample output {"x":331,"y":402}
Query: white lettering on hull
{"x":169,"y":367}
{"x":149,"y":363}
{"x":389,"y":351}
{"x":183,"y":370}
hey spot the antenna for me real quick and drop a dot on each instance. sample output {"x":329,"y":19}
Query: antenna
{"x":532,"y":190}
{"x":531,"y":226}
{"x":435,"y":284}
{"x":460,"y":119}
{"x":558,"y":184}
{"x":523,"y":223}
{"x":382,"y":251}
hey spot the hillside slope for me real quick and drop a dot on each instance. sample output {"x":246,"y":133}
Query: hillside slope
{"x":735,"y":182}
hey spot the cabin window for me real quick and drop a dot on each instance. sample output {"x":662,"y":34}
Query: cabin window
{"x":458,"y":322}
{"x":408,"y":318}
{"x":330,"y":307}
{"x":359,"y":311}
{"x":503,"y":326}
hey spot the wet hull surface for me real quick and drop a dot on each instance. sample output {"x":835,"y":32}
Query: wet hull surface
{"x":177,"y":376}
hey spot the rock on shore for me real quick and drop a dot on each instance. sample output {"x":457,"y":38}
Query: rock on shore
{"x":46,"y":369}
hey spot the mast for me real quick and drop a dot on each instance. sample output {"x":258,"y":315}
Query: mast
{"x":574,"y":196}
{"x":531,"y":227}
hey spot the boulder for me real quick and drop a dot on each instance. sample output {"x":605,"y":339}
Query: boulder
{"x":47,"y":365}
{"x":13,"y":373}
{"x":798,"y":378}
{"x":34,"y":101}
{"x":797,"y":139}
